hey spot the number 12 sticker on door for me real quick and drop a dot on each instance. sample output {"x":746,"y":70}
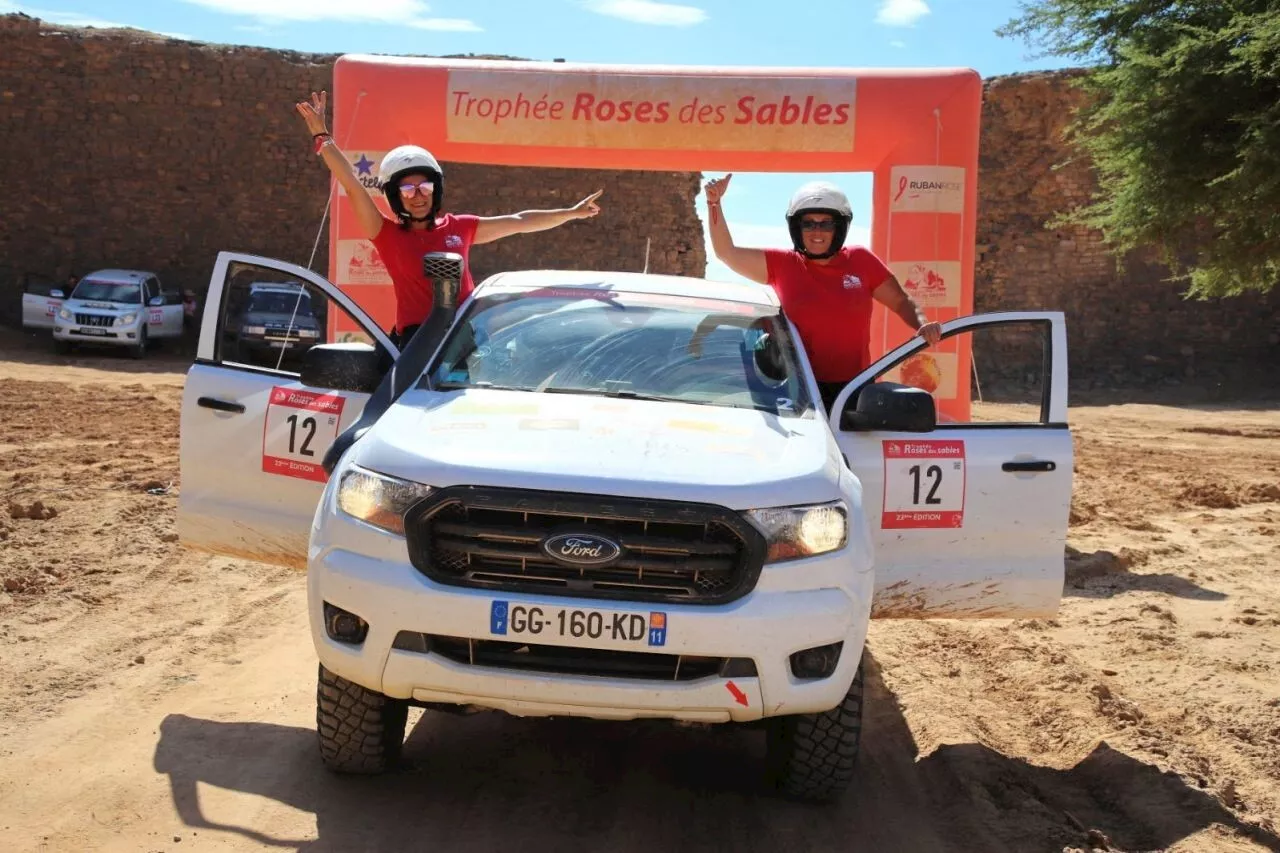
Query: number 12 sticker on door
{"x":924,"y":484}
{"x":300,"y":428}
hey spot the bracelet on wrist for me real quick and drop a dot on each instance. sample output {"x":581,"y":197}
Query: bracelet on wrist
{"x":321,"y":141}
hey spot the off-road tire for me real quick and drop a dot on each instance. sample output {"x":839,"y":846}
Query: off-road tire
{"x":360,"y":731}
{"x":812,"y":756}
{"x":139,"y":350}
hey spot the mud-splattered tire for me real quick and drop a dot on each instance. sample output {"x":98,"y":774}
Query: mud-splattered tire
{"x":812,"y":756}
{"x":360,"y":731}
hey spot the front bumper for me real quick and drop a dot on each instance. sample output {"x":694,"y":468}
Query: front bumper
{"x":126,"y":335}
{"x":794,"y":606}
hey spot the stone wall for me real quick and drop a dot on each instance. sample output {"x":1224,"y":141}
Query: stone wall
{"x":123,"y":149}
{"x":1127,"y":325}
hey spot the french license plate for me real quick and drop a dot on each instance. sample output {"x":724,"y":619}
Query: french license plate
{"x":92,"y":331}
{"x":577,"y":626}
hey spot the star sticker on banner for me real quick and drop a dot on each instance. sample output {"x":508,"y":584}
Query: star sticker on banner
{"x":364,"y":165}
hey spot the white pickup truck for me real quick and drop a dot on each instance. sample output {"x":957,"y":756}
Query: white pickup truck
{"x":612,"y":495}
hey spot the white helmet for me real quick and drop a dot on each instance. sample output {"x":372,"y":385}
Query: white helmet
{"x":819,"y":197}
{"x":409,"y":160}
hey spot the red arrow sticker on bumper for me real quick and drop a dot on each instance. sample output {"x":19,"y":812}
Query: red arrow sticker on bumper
{"x":738,"y":695}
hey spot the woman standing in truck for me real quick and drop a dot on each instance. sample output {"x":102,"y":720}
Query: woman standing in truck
{"x":413,"y":183}
{"x":826,"y":287}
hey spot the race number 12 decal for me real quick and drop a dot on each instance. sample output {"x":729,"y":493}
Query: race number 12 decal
{"x":924,"y":484}
{"x":300,"y":427}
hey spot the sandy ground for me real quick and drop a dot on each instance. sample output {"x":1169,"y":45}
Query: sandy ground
{"x":153,"y":699}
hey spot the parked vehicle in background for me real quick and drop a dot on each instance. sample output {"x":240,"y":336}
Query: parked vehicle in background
{"x":112,"y":307}
{"x":41,"y":299}
{"x":276,"y":323}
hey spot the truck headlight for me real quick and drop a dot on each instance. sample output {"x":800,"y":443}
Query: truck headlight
{"x":65,"y":313}
{"x":255,"y":330}
{"x":308,"y":333}
{"x":378,"y":499}
{"x":126,"y":319}
{"x":801,"y":531}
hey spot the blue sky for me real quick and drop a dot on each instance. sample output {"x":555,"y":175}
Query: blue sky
{"x":834,"y":33}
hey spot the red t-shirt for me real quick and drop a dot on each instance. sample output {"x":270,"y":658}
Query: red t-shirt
{"x":830,"y":305}
{"x":401,"y":251}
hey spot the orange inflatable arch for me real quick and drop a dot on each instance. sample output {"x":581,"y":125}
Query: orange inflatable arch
{"x":915,"y":130}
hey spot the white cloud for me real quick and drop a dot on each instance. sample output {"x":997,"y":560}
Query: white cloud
{"x":446,"y":25}
{"x":764,"y":237}
{"x":409,"y":13}
{"x":901,"y":13}
{"x":648,"y":12}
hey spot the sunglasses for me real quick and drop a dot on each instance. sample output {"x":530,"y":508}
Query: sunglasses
{"x":817,"y":225}
{"x":409,"y":190}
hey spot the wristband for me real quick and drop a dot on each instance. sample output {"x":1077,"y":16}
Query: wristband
{"x":322,"y":139}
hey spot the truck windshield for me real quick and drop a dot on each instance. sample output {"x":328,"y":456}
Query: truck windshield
{"x":590,"y":340}
{"x":107,"y":291}
{"x":279,"y":303}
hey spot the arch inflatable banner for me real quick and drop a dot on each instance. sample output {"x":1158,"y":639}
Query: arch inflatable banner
{"x":915,"y":130}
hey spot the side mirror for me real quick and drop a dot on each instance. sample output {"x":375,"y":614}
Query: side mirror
{"x":891,"y":407}
{"x":155,"y":301}
{"x":56,"y":294}
{"x":343,"y":367}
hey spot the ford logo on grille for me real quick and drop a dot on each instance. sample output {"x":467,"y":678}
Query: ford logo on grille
{"x":581,"y":549}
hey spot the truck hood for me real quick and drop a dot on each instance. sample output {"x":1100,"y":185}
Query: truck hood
{"x":100,"y":306}
{"x":629,"y":448}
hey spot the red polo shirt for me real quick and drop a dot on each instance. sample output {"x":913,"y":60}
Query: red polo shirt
{"x":830,"y":305}
{"x":402,"y":250}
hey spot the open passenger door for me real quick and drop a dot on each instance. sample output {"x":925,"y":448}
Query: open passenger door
{"x":969,"y":520}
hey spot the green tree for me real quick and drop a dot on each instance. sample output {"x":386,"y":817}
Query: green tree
{"x":1182,"y":124}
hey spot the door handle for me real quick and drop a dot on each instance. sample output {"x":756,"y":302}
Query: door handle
{"x":220,"y":405}
{"x":1036,"y":465}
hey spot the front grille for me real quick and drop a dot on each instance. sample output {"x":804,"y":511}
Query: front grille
{"x":670,"y":551}
{"x":574,"y":661}
{"x":94,"y":319}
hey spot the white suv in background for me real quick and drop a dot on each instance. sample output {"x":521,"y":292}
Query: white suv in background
{"x":614,"y":495}
{"x":125,"y":308}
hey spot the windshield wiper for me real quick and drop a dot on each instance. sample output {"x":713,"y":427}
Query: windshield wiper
{"x":488,"y":386}
{"x":624,"y":394}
